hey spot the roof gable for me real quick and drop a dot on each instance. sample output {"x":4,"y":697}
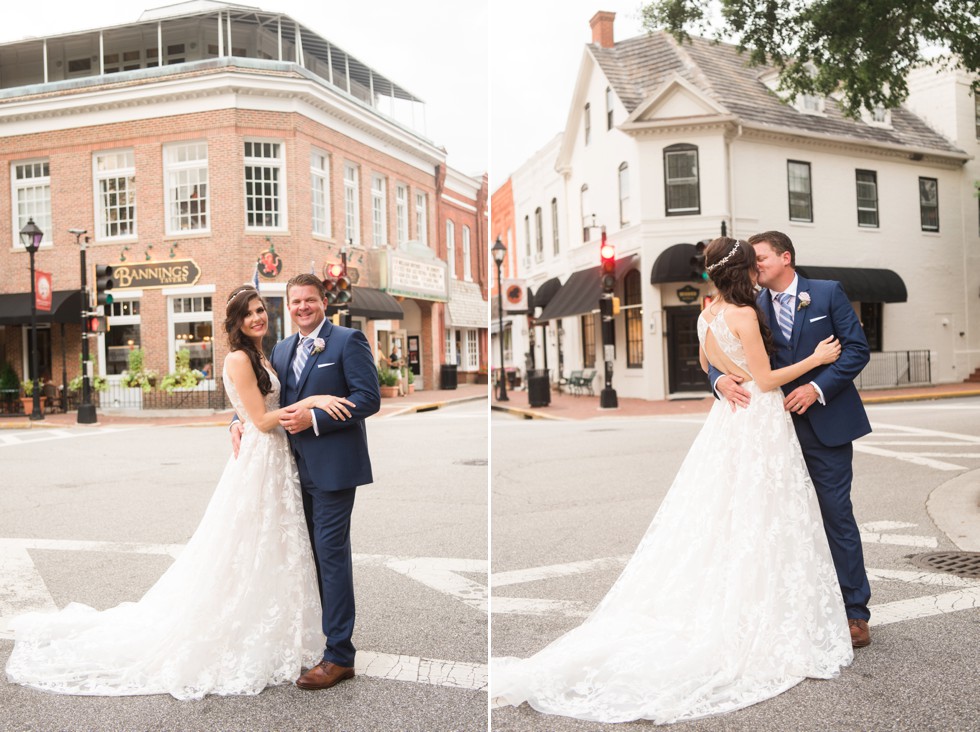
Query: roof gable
{"x":676,"y":99}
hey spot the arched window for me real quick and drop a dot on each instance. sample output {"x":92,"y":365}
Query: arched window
{"x":632,"y":298}
{"x":681,"y":187}
{"x":624,"y":194}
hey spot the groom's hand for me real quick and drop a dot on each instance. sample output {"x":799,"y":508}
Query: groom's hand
{"x":730,"y":388}
{"x":236,"y":430}
{"x":800,"y":399}
{"x":296,"y":419}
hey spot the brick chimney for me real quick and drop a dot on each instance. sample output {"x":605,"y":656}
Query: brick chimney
{"x":602,"y":28}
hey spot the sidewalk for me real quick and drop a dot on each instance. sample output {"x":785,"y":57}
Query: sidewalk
{"x":569,"y":406}
{"x":420,"y":401}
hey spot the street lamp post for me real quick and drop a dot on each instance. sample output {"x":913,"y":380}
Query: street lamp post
{"x":499,"y":251}
{"x":31,"y":236}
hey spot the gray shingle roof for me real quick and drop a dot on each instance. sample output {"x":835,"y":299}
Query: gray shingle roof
{"x":637,"y":66}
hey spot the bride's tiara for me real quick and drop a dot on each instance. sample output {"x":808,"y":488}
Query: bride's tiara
{"x":247,"y":287}
{"x":716,"y":265}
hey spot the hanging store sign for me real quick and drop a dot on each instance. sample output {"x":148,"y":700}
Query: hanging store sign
{"x":147,"y":275}
{"x":270,"y":264}
{"x":688,"y":294}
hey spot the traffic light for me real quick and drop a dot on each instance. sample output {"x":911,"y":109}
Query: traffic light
{"x":103,"y":284}
{"x":331,"y":275}
{"x":607,"y":270}
{"x":345,"y":291}
{"x":698,"y":272}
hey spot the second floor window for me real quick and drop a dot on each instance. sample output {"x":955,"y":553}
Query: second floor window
{"x":681,"y":180}
{"x":554,"y":225}
{"x":588,"y":124}
{"x":624,"y":194}
{"x":527,"y":237}
{"x":538,"y":235}
{"x":586,"y":211}
{"x":320,"y":190}
{"x":867,"y":197}
{"x":800,"y":196}
{"x":352,"y":219}
{"x":609,"y":108}
{"x":115,"y":185}
{"x":379,"y":211}
{"x":401,"y":213}
{"x":186,"y":172}
{"x":467,"y":255}
{"x":422,"y":218}
{"x":31,"y":197}
{"x":929,"y":204}
{"x":451,"y":248}
{"x":264,"y":191}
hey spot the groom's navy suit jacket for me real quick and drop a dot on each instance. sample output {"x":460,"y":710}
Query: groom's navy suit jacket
{"x":842,"y":419}
{"x":338,"y":458}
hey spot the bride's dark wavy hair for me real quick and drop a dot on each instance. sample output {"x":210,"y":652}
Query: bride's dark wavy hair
{"x":236,"y":309}
{"x":732,"y":277}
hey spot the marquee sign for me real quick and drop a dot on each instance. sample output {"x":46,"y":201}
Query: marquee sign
{"x":148,"y":275}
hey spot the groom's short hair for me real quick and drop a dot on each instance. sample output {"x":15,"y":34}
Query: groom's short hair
{"x":305,"y":279}
{"x":778,"y":241}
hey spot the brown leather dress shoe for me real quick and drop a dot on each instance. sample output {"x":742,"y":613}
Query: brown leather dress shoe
{"x":860,"y":635}
{"x":324,"y":675}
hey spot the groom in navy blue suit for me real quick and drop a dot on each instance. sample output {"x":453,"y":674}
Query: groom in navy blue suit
{"x":331,"y":455}
{"x":827,"y":411}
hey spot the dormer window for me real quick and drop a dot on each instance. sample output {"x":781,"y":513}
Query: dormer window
{"x":878,"y":117}
{"x":810,"y":103}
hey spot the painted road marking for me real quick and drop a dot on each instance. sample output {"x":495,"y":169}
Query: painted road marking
{"x":22,"y":589}
{"x":47,"y":435}
{"x":879,"y":443}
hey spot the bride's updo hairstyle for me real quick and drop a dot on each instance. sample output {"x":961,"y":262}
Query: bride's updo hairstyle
{"x":236,"y":310}
{"x":730,"y":263}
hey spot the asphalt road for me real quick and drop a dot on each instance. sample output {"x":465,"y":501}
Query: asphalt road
{"x":92,"y":515}
{"x":570,"y":501}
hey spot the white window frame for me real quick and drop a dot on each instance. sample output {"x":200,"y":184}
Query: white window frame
{"x":538,"y":235}
{"x":194,"y":316}
{"x":117,"y":321}
{"x":276,"y":165}
{"x":467,"y":255}
{"x":320,"y":192}
{"x":38,"y":207}
{"x":928,"y":205}
{"x":379,"y":210}
{"x":680,"y":151}
{"x":401,"y":214}
{"x":451,"y":247}
{"x":102,"y":177}
{"x":422,"y":218}
{"x":352,"y":199}
{"x":794,"y":177}
{"x":870,"y":186}
{"x":184,"y":178}
{"x":624,"y":194}
{"x":469,"y":359}
{"x":556,"y":246}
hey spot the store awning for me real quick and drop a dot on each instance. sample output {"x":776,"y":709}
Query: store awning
{"x":66,"y":307}
{"x":673,"y":264}
{"x":466,"y":306}
{"x":546,"y":292}
{"x":580,"y":294}
{"x":862,"y":284}
{"x":373,"y":304}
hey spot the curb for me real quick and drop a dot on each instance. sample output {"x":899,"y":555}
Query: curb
{"x":431,"y":406}
{"x":919,"y":397}
{"x":527,"y":413}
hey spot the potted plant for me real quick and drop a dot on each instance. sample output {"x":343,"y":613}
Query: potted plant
{"x":387,"y":381}
{"x":9,"y":388}
{"x":136,"y":376}
{"x":28,"y":399}
{"x":411,"y":381}
{"x":182,"y":377}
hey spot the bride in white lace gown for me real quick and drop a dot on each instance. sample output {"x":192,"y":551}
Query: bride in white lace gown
{"x":731,"y":596}
{"x":239,"y":609}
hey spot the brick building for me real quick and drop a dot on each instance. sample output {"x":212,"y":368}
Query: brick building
{"x":198,"y":141}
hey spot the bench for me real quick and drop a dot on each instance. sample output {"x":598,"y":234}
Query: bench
{"x":580,"y":382}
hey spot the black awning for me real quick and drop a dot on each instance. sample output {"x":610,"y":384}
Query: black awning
{"x":66,"y":307}
{"x":373,"y":304}
{"x":580,"y":294}
{"x":673,"y":264}
{"x":861,"y":284}
{"x":546,"y":292}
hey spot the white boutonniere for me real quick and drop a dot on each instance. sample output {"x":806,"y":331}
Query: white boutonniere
{"x":804,"y":298}
{"x":319,"y":344}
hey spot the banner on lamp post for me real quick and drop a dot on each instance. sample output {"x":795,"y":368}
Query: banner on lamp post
{"x":515,"y":296}
{"x":43,"y":290}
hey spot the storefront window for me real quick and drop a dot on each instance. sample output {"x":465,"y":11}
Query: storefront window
{"x":192,"y":330}
{"x":123,"y":335}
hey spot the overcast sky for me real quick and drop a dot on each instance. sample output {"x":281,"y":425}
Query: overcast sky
{"x":437,"y":49}
{"x":536,"y":49}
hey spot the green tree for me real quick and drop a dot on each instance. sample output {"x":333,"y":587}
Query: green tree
{"x":862,"y":49}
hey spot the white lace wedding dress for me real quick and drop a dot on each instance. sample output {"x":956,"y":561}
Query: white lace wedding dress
{"x":730,"y":598}
{"x":237,"y":611}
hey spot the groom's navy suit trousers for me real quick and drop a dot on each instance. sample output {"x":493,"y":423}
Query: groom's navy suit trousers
{"x":826,"y":432}
{"x":332,"y":465}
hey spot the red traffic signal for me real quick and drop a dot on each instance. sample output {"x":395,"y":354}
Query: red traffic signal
{"x":95,"y":324}
{"x":607,"y":269}
{"x":335,"y":270}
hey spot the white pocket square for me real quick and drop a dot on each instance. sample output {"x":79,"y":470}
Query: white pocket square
{"x":322,"y":365}
{"x":814,"y":320}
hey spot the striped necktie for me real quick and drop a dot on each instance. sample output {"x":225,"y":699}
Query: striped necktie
{"x":784,"y":314}
{"x":302,"y":354}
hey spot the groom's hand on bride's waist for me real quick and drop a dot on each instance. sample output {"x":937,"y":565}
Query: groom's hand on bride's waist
{"x":235,"y":431}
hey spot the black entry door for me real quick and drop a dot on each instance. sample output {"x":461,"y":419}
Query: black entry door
{"x":684,"y":367}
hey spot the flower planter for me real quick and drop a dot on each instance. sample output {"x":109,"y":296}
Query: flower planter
{"x":388,"y":391}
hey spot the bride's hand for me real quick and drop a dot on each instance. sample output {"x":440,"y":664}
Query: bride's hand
{"x":828,"y":350}
{"x":335,"y":406}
